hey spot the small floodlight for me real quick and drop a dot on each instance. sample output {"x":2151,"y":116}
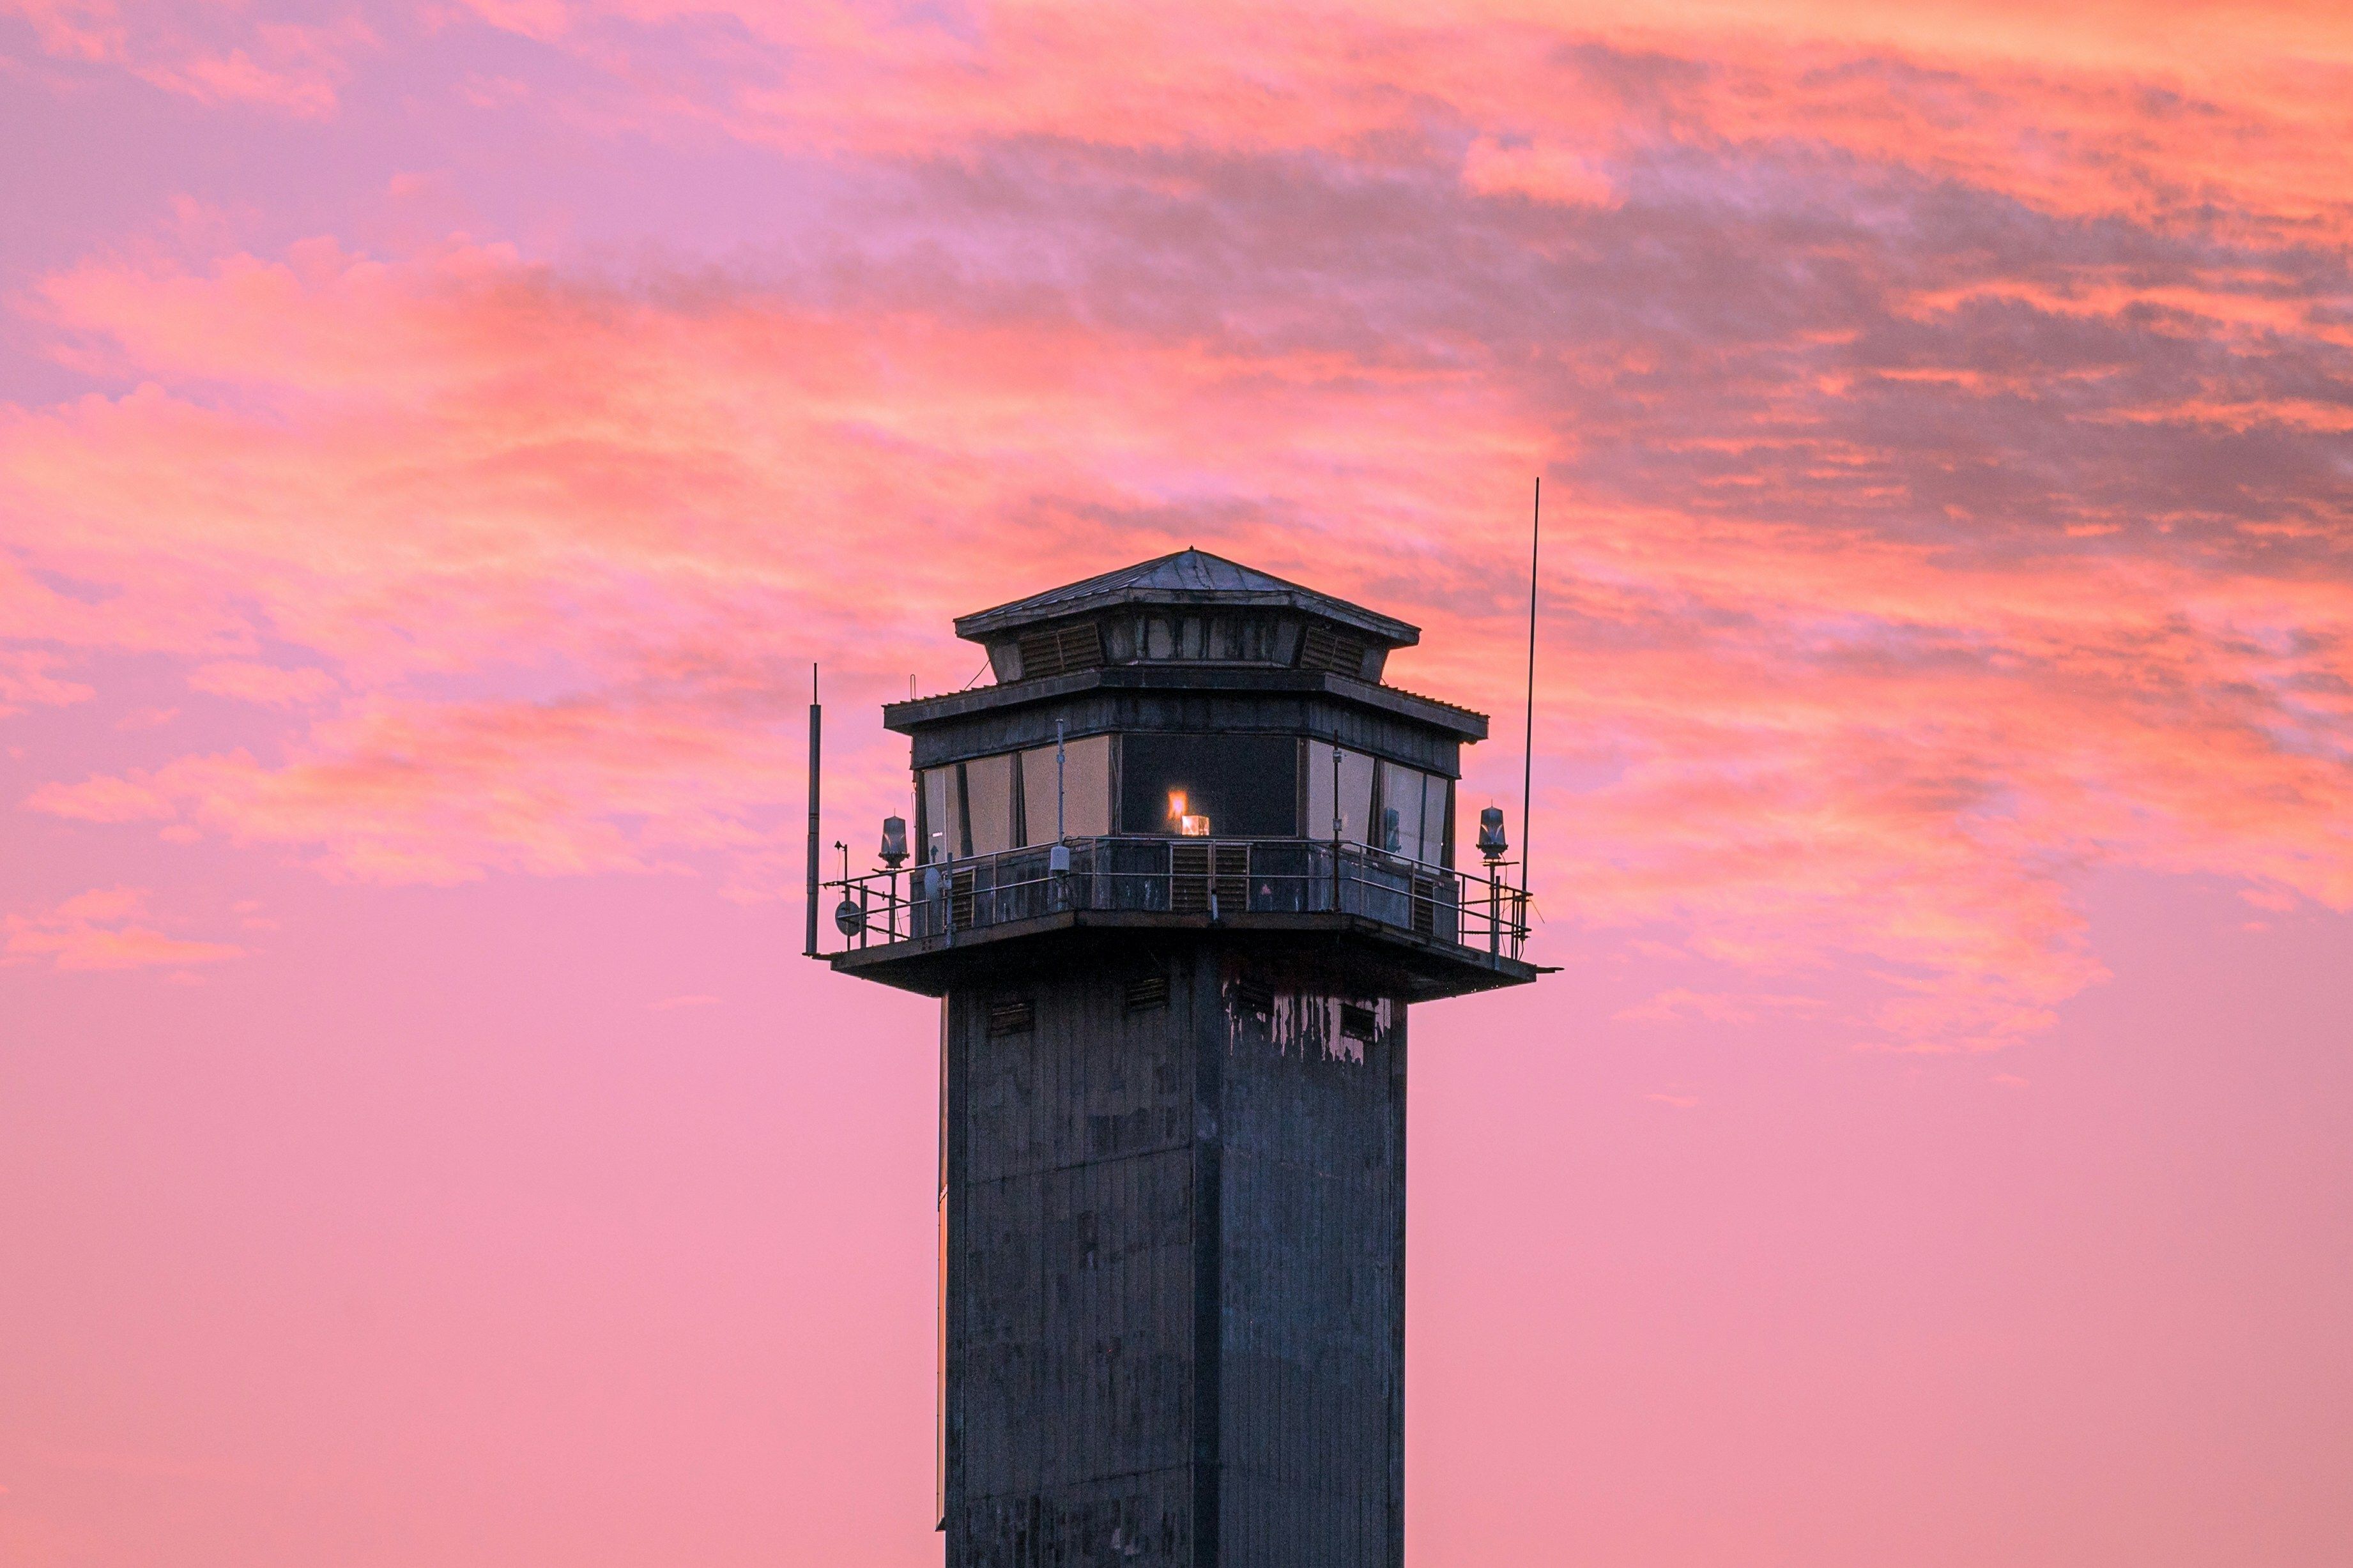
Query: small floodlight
{"x":1492,"y":842}
{"x":894,"y":852}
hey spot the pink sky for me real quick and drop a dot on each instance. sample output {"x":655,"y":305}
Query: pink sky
{"x":434,"y":444}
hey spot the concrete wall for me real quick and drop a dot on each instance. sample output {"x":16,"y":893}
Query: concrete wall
{"x":1194,"y":1207}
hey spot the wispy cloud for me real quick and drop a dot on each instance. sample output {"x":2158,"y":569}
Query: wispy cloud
{"x":101,"y":930}
{"x":212,"y":54}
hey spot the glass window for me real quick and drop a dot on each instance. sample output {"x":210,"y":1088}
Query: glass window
{"x":942,"y":810}
{"x":1356,"y":776}
{"x":1437,"y":805}
{"x":1401,"y":792}
{"x":988,"y":803}
{"x":1038,"y":796}
{"x":1086,"y":790}
{"x":1243,"y":786}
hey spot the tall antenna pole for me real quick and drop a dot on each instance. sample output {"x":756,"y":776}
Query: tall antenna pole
{"x":816,"y":724}
{"x":1528,"y":740}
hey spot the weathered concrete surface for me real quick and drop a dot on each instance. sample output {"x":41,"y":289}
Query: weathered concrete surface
{"x":1175,"y":1268}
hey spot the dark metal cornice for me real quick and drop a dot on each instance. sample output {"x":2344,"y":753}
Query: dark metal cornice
{"x":907,"y":718}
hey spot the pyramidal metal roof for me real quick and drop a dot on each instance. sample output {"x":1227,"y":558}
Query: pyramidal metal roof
{"x":1189,"y":577}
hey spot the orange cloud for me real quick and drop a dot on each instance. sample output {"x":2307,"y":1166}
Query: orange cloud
{"x":100,"y":930}
{"x":2152,"y":110}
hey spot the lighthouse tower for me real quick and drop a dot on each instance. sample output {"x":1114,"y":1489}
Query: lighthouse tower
{"x":1177,"y":877}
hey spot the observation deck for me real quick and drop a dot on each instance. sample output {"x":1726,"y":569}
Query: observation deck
{"x":1401,"y":926}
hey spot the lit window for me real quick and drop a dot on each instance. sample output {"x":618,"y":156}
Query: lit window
{"x":1189,"y":825}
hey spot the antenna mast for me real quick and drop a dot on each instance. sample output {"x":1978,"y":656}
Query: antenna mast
{"x":817,"y":721}
{"x":1528,"y":739}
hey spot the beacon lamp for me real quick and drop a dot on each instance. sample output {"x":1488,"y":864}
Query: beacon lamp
{"x":1492,"y":845}
{"x":894,"y":855}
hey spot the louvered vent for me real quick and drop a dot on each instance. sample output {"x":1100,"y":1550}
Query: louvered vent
{"x":1012,"y":1015}
{"x":1356,"y":1022}
{"x":1250,"y":997}
{"x":1189,"y":878}
{"x":1145,"y":995}
{"x":1323,"y":648}
{"x":1231,"y":884}
{"x":1066,"y":648}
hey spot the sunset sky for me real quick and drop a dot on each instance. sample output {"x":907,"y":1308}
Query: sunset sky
{"x":435,"y":442}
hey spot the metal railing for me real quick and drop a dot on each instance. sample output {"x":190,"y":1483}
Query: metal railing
{"x":1211,"y":877}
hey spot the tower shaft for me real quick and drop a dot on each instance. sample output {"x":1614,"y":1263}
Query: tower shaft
{"x":1175,"y":1249}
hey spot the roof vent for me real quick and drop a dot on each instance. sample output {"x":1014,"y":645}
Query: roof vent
{"x":1145,"y":995}
{"x":1063,"y":648}
{"x":1012,"y":1015}
{"x":1323,"y":648}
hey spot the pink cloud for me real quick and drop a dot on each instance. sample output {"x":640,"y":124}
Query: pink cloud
{"x":1680,"y":1005}
{"x":100,"y":930}
{"x":105,"y":799}
{"x":74,"y":29}
{"x":263,"y":683}
{"x":1544,"y":174}
{"x":26,"y":677}
{"x":214,"y":54}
